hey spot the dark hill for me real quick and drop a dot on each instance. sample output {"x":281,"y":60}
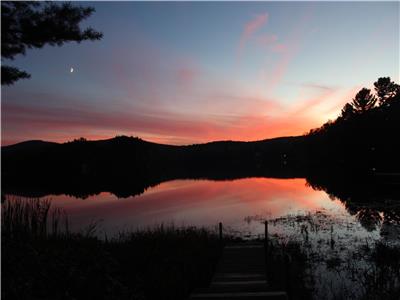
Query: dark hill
{"x":34,"y":145}
{"x":129,"y":164}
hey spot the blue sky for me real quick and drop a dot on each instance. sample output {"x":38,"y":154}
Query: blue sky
{"x":193,"y":72}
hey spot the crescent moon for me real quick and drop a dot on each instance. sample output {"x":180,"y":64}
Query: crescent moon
{"x":72,"y":70}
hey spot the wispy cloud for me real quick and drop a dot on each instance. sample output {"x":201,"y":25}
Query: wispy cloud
{"x":250,"y":28}
{"x":311,"y":105}
{"x":61,"y":123}
{"x":287,"y":52}
{"x":224,"y":114}
{"x":318,"y":86}
{"x":266,"y":40}
{"x":187,"y":72}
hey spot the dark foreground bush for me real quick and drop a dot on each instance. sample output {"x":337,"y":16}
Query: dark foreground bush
{"x":288,"y":269}
{"x":382,"y":280}
{"x":41,"y":259}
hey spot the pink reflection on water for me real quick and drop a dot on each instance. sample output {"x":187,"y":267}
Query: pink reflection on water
{"x":197,"y":202}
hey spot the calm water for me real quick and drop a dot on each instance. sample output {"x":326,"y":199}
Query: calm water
{"x":332,"y":231}
{"x":241,"y":205}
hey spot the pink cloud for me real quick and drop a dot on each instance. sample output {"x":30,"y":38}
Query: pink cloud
{"x":310,"y":104}
{"x":250,"y":28}
{"x":347,"y":96}
{"x":279,"y":48}
{"x":271,"y":42}
{"x":318,"y":86}
{"x":288,"y":51}
{"x":266,"y":40}
{"x":61,"y":124}
{"x":186,"y":75}
{"x":231,"y":103}
{"x":142,"y":110}
{"x":187,"y":71}
{"x":227,"y":115}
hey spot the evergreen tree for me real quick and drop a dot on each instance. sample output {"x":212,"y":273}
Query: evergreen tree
{"x":386,"y":90}
{"x":363,"y":101}
{"x":26,"y":25}
{"x":347,"y":112}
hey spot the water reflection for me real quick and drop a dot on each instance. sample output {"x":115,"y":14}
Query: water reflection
{"x":376,"y":205}
{"x":198,"y":202}
{"x":336,"y":222}
{"x":241,"y":204}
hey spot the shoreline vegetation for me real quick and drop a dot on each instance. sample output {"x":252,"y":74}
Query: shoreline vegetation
{"x":42,"y":259}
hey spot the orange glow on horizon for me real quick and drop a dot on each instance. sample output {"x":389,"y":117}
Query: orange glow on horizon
{"x":244,"y":129}
{"x":257,"y":119}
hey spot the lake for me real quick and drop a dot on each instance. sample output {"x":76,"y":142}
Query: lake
{"x":241,"y":205}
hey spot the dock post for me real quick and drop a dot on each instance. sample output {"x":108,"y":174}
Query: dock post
{"x":266,"y":246}
{"x":220,"y":231}
{"x":266,"y":235}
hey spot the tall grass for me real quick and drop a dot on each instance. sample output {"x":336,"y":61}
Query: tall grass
{"x":42,"y":259}
{"x":31,"y":218}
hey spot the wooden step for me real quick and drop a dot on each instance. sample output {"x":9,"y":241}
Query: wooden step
{"x":238,"y":282}
{"x":234,"y":289}
{"x":240,"y":275}
{"x":241,"y":296}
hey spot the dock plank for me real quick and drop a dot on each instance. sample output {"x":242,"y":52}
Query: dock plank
{"x":240,"y":274}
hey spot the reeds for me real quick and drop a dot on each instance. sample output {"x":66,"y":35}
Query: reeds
{"x":33,"y":218}
{"x":42,"y":259}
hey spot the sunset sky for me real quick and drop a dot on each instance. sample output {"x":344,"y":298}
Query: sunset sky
{"x":192,"y":72}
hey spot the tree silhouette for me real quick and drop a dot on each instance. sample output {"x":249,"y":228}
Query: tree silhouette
{"x":385,"y":90}
{"x":11,"y":74}
{"x":27,"y":25}
{"x":363,"y":101}
{"x":347,"y":112}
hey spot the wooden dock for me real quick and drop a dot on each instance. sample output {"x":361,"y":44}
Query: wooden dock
{"x":240,"y":274}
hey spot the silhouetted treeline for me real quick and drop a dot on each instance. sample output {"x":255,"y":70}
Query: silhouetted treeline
{"x":364,"y":139}
{"x":356,"y":158}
